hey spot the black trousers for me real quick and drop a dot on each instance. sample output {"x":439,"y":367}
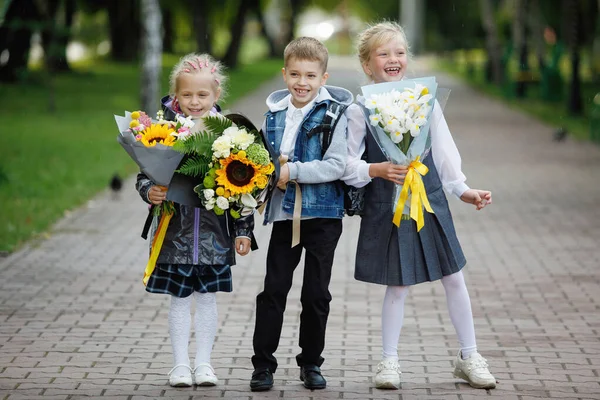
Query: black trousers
{"x":319,"y":237}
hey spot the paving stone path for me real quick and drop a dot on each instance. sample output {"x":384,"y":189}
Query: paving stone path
{"x":75,"y":321}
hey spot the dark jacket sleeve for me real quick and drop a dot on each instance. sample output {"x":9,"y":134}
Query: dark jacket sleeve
{"x":143,"y":185}
{"x":244,"y":226}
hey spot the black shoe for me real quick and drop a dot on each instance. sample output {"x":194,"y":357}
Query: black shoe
{"x":312,"y":378}
{"x":262,"y":380}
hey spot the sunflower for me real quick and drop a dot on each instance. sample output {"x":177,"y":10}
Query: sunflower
{"x":237,"y":174}
{"x":158,"y":133}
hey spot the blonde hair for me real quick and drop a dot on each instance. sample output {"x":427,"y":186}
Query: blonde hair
{"x":376,"y":35}
{"x":306,"y":49}
{"x":194,"y":63}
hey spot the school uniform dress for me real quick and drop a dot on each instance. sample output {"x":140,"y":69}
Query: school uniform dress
{"x":401,"y":256}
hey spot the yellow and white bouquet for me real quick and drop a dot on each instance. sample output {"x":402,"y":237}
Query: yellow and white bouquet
{"x":233,"y":164}
{"x":400,"y":119}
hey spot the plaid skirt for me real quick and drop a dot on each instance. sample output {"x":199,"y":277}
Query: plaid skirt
{"x":181,"y":280}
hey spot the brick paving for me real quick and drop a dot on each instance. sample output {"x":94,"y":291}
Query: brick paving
{"x":75,"y":321}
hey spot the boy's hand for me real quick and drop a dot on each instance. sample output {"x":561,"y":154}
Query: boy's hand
{"x":386,"y":170}
{"x":284,"y":177}
{"x":480,"y":198}
{"x":157,"y":194}
{"x":242,"y":245}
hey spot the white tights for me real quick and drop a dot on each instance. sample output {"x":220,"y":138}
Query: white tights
{"x":459,"y":308}
{"x":205,"y":324}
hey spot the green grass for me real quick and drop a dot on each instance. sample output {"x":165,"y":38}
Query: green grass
{"x":553,"y":113}
{"x":54,"y":162}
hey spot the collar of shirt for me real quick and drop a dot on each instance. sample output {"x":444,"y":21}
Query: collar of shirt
{"x":298,"y":114}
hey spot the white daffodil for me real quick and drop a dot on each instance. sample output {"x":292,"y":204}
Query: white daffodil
{"x":375,"y":119}
{"x":415,"y":129}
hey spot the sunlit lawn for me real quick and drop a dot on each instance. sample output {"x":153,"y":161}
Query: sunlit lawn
{"x":52,"y":162}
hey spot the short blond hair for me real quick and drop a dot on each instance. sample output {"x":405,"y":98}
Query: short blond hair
{"x":306,"y":49}
{"x":194,"y":63}
{"x":376,"y":35}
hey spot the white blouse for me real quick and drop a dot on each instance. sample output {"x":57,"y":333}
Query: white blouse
{"x":445,"y":153}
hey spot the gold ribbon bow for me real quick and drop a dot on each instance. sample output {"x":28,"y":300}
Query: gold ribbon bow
{"x":413,"y":183}
{"x":157,"y":243}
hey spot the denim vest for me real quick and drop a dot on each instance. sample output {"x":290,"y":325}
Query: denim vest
{"x":319,"y":200}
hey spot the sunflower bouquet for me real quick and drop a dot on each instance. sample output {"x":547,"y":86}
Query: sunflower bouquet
{"x":232,"y":164}
{"x":150,"y":144}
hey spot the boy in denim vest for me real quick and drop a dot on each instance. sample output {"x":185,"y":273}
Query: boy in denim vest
{"x":306,"y":210}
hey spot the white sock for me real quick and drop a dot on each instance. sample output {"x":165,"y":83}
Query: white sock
{"x":392,"y":317}
{"x":205,"y":322}
{"x":180,"y":322}
{"x":459,"y":308}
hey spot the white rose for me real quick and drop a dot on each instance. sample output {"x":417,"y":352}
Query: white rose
{"x":208,"y":194}
{"x":222,"y":203}
{"x":242,"y":139}
{"x":232,"y":130}
{"x":222,"y":146}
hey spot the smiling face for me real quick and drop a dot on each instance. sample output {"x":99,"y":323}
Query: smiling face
{"x":387,"y":62}
{"x":303,"y":79}
{"x":197,"y":93}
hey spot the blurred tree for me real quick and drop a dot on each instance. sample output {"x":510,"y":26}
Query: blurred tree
{"x":519,"y":39}
{"x":56,"y":33}
{"x":231,"y":56}
{"x":202,"y":26}
{"x":492,"y":40}
{"x":275,"y":47}
{"x":573,"y":33}
{"x":21,"y":20}
{"x":124,"y":28}
{"x":152,"y":55}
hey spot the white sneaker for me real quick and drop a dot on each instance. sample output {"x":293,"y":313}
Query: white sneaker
{"x":204,"y":375}
{"x":388,"y":374}
{"x":475,"y":371}
{"x":180,"y":376}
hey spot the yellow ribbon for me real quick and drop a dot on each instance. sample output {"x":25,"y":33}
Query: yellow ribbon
{"x":414,"y":184}
{"x":157,"y":243}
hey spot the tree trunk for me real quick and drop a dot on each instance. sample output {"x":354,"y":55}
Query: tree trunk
{"x":520,"y":43}
{"x":537,"y":33}
{"x":573,"y":31}
{"x":294,"y":11}
{"x":492,"y":40}
{"x":15,"y":37}
{"x":152,"y":54}
{"x":124,"y":29}
{"x":231,"y":57}
{"x":167,"y":30}
{"x":202,"y":27}
{"x":274,"y":50}
{"x":57,"y":32}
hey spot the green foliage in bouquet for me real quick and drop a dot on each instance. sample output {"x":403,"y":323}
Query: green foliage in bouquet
{"x":198,"y":146}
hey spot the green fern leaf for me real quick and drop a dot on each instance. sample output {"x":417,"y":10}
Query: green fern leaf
{"x":194,"y":166}
{"x":216,"y":125}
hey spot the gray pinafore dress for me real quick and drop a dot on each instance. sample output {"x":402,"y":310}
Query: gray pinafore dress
{"x":389,"y":255}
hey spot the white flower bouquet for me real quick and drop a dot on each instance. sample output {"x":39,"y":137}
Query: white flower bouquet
{"x":400,"y":120}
